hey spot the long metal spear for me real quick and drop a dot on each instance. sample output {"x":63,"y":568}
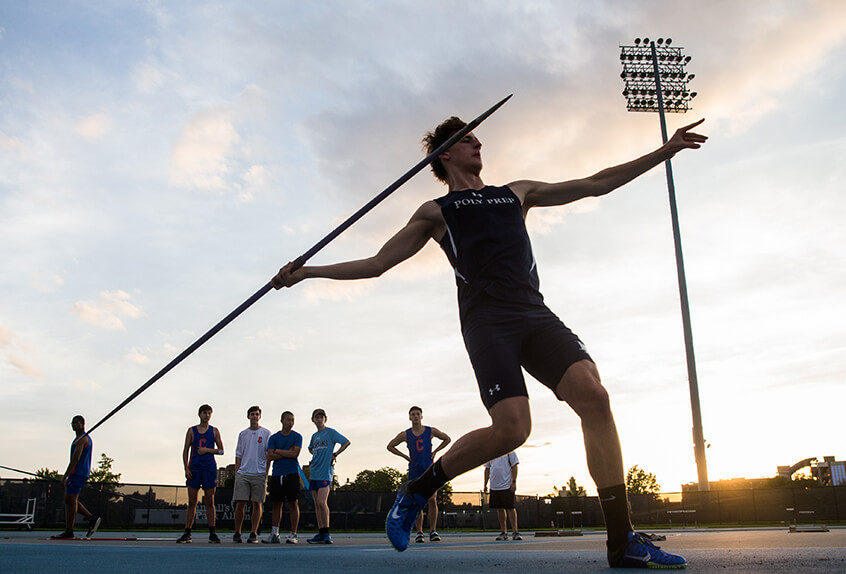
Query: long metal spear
{"x":301,"y":260}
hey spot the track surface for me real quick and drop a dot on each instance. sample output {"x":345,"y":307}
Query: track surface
{"x":743,"y":550}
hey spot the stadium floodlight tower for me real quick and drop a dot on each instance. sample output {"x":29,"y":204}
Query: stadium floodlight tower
{"x":656,"y":81}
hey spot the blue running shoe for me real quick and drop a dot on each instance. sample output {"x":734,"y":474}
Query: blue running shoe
{"x":402,"y":516}
{"x":317,"y":539}
{"x":639,"y":552}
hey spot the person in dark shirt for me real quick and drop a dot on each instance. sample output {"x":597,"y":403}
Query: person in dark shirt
{"x":506,"y":325}
{"x":418,"y":441}
{"x":202,"y":444}
{"x":76,"y":475}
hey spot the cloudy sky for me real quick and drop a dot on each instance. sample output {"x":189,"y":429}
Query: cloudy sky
{"x":158,"y":163}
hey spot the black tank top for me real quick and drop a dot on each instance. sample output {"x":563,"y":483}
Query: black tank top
{"x":488,"y":246}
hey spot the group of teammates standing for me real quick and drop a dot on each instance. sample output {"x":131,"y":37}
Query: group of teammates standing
{"x":257,"y":450}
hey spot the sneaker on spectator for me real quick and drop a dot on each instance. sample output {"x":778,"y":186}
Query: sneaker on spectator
{"x":272,"y":539}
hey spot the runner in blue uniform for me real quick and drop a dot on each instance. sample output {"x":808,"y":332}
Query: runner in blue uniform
{"x":202,"y":443}
{"x":77,"y":473}
{"x":418,"y":440}
{"x":507,"y":326}
{"x":322,"y":448}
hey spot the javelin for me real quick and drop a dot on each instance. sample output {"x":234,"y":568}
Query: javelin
{"x":301,"y":260}
{"x":100,"y":490}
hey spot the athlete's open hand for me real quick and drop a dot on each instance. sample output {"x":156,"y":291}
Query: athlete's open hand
{"x":686,"y":139}
{"x":285,"y":278}
{"x":188,"y":473}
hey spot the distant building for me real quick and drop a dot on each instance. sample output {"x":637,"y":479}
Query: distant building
{"x":225,"y":473}
{"x":829,"y":472}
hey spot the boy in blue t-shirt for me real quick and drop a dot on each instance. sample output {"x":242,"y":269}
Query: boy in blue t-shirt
{"x":283,"y":448}
{"x":322,"y":449}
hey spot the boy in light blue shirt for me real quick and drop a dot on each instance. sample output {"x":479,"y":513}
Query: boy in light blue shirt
{"x":322,"y":448}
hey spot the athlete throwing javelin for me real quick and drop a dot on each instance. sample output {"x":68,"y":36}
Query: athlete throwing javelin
{"x":506,"y":325}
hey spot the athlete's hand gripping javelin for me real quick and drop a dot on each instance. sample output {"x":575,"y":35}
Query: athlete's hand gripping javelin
{"x":285,"y":278}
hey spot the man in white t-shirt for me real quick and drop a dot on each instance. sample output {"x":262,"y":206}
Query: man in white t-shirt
{"x":502,"y":474}
{"x":251,"y":467}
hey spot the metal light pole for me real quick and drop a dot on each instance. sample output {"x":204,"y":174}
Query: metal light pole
{"x":656,"y":81}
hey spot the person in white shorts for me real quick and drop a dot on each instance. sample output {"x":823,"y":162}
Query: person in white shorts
{"x":502,"y":473}
{"x":251,"y":467}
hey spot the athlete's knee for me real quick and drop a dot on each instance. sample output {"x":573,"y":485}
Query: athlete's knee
{"x":582,"y":389}
{"x":511,"y":433}
{"x":591,"y":401}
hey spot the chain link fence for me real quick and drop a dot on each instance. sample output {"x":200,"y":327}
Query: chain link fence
{"x":140,"y":506}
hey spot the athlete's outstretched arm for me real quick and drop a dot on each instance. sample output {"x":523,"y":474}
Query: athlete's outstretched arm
{"x":540,"y":194}
{"x":444,"y":437}
{"x":392,"y":446}
{"x":427,"y":222}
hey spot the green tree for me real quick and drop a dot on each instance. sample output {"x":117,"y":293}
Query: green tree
{"x":103,"y":474}
{"x":638,"y":481}
{"x":48,"y":474}
{"x":573,"y":489}
{"x":385,"y":479}
{"x":445,"y":494}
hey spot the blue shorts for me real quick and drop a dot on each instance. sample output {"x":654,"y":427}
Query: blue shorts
{"x":318,"y":484}
{"x":74,"y":483}
{"x":202,"y":478}
{"x":416,"y":471}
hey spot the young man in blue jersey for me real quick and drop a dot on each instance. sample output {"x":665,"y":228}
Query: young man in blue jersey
{"x":77,"y":473}
{"x":418,"y":440}
{"x":506,"y":325}
{"x":202,"y":444}
{"x":283,"y":448}
{"x":322,"y":448}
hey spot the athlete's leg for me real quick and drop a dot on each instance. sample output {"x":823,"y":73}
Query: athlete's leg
{"x":581,"y":388}
{"x":294,"y":512}
{"x":512,"y":518}
{"x":500,"y":514}
{"x":255,"y":519}
{"x":208,"y":500}
{"x":239,"y":514}
{"x":321,"y":506}
{"x":418,"y":524}
{"x":70,"y":510}
{"x":192,"y":507}
{"x":80,"y":508}
{"x":433,"y":512}
{"x":276,"y":517}
{"x":511,"y":424}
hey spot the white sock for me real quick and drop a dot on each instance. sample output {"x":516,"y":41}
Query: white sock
{"x":274,"y":530}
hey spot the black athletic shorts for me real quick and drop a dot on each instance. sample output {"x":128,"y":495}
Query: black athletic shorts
{"x":502,"y":336}
{"x":285,"y":488}
{"x":502,"y":499}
